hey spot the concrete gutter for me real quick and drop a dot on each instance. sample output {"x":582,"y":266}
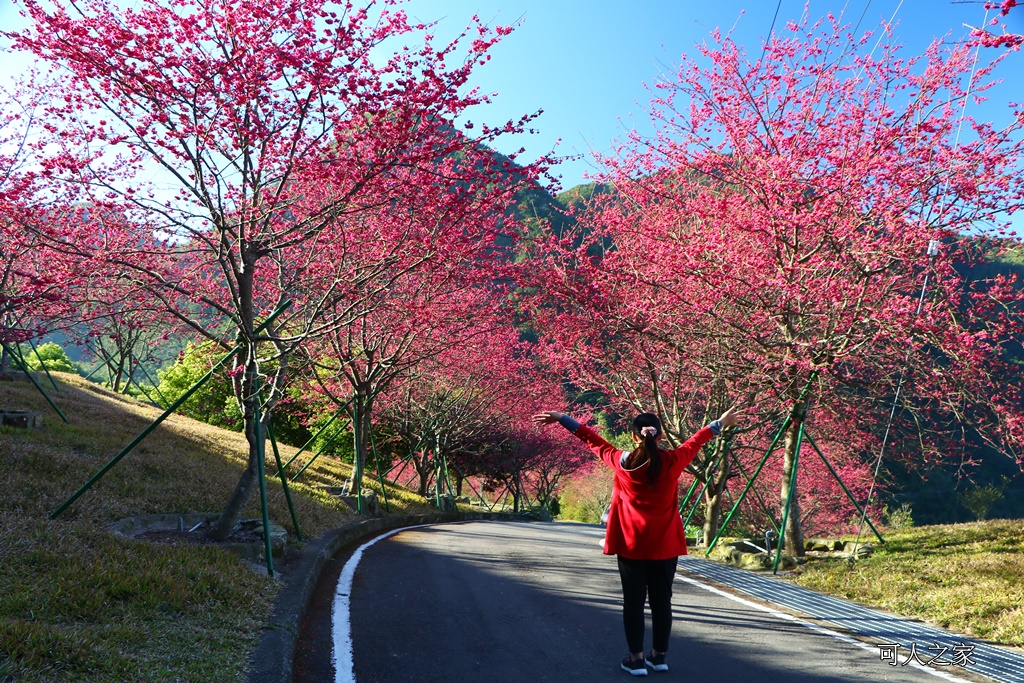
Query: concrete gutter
{"x":272,"y":661}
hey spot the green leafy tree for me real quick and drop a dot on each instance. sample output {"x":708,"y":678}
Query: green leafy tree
{"x":214,"y":402}
{"x":981,"y":498}
{"x":50,"y":355}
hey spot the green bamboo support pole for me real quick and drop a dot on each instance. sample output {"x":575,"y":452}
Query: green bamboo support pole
{"x":689,"y":494}
{"x":789,"y":498}
{"x":155,"y":385}
{"x":380,"y":477}
{"x":163,"y":416}
{"x":449,"y":489}
{"x":24,"y":368}
{"x":130,"y":381}
{"x":107,"y":363}
{"x":284,"y":480}
{"x":693,"y":486}
{"x":314,"y":438}
{"x":261,"y":472}
{"x":357,"y":478}
{"x":404,"y":462}
{"x":789,"y":418}
{"x":498,"y":498}
{"x":490,"y":508}
{"x":320,"y":452}
{"x":846,"y":490}
{"x":438,"y":479}
{"x":42,"y":364}
{"x":95,"y":370}
{"x":750,"y":483}
{"x":760,"y":501}
{"x":108,"y":366}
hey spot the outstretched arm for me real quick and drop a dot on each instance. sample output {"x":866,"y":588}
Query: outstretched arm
{"x":688,"y":450}
{"x":604,"y":450}
{"x":727,"y":419}
{"x":551,"y":416}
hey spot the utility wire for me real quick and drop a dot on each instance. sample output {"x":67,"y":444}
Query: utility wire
{"x":770,"y":30}
{"x":932,"y":253}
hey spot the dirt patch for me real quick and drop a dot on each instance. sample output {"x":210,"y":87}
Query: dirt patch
{"x":250,"y":531}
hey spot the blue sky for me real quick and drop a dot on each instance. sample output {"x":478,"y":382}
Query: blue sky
{"x":585,"y":63}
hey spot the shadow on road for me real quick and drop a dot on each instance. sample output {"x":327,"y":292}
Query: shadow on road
{"x":540,"y":602}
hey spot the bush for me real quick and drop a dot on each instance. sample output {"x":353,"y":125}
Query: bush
{"x":50,"y":355}
{"x":980,"y":498}
{"x":900,"y":518}
{"x":214,"y":403}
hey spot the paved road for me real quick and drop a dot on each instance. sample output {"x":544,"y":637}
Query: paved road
{"x":501,"y":601}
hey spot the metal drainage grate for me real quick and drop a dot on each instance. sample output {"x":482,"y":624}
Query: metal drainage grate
{"x":997,"y":663}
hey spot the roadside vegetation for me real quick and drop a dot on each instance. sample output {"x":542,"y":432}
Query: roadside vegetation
{"x":81,"y":604}
{"x":968,"y":578}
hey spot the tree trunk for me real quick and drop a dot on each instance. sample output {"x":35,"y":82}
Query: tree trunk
{"x":361,"y":406}
{"x":249,"y":399}
{"x":246,"y":483}
{"x":714,"y":494}
{"x":421,"y":462}
{"x":793,"y":533}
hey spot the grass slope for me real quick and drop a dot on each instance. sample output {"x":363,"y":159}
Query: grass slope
{"x":81,"y":604}
{"x":965,"y":577}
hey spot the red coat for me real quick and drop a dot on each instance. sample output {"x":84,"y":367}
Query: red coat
{"x":644,"y":522}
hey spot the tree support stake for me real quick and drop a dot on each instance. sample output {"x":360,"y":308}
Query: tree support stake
{"x":846,"y":490}
{"x":380,"y":476}
{"x":42,"y":363}
{"x":792,"y":489}
{"x":320,"y":451}
{"x":148,"y":430}
{"x":284,"y":480}
{"x":21,"y":362}
{"x":782,"y":430}
{"x":311,"y":440}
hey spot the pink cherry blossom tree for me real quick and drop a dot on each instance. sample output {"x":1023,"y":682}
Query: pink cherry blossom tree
{"x":227,"y":150}
{"x":987,"y":38}
{"x":770,"y":238}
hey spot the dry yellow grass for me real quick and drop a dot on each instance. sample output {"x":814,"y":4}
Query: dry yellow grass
{"x":82,"y":604}
{"x":964,"y":577}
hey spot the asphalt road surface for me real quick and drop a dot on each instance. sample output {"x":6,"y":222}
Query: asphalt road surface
{"x":504,"y":601}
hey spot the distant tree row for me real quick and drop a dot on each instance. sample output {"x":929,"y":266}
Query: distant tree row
{"x":277,"y":184}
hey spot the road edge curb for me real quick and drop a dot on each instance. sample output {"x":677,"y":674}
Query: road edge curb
{"x":272,"y":660}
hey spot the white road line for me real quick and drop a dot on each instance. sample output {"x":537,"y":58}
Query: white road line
{"x":813,"y":627}
{"x":341,"y":612}
{"x":341,"y":626}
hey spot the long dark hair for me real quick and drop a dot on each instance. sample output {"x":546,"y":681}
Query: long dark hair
{"x":649,"y":443}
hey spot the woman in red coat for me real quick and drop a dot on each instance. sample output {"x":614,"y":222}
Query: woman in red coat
{"x":644,"y":528}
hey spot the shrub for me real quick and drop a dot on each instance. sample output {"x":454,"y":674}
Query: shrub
{"x":51,"y":355}
{"x":980,"y":498}
{"x":900,"y":518}
{"x":214,"y":403}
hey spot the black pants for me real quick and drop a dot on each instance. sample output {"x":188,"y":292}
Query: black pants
{"x":643,"y":581}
